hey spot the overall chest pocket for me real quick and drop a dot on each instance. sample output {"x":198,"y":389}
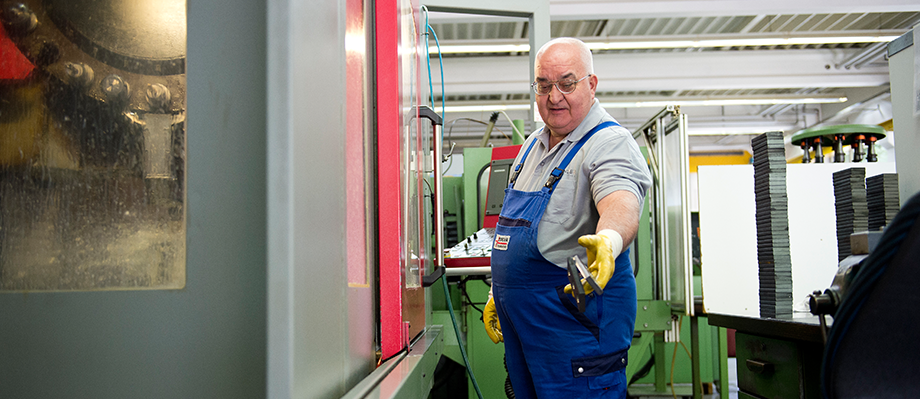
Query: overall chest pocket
{"x":560,"y":207}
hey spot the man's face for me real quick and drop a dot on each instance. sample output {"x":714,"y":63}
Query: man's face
{"x":562,"y":113}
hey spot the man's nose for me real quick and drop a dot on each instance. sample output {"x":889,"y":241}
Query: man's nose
{"x":555,"y":95}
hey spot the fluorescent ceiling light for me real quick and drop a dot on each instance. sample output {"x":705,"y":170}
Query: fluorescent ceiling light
{"x":481,"y":48}
{"x":753,"y":42}
{"x":659,"y":44}
{"x":722,"y":102}
{"x":660,"y":104}
{"x":486,"y":108}
{"x":736,"y":130}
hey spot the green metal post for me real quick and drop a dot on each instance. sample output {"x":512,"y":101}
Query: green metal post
{"x":486,"y":357}
{"x":518,"y":138}
{"x":723,"y":362}
{"x":695,"y":351}
{"x":661,"y":381}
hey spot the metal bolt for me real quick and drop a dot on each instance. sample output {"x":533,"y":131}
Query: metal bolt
{"x":80,"y":74}
{"x":115,"y":88}
{"x":19,"y":18}
{"x":44,"y":52}
{"x":645,"y":325}
{"x":157,"y":96}
{"x":644,"y":307}
{"x":669,"y":322}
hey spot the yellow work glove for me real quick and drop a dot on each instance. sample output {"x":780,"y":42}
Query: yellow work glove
{"x":490,"y":319}
{"x":603,"y":249}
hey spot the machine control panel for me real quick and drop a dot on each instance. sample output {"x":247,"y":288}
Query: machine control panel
{"x":475,"y":250}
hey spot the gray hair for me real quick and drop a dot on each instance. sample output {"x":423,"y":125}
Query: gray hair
{"x":587,"y":60}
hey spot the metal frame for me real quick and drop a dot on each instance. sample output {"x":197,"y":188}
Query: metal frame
{"x":903,"y":71}
{"x":407,"y":375}
{"x":536,"y":11}
{"x":666,"y":136}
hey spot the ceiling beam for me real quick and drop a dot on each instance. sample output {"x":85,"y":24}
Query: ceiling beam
{"x":592,"y":9}
{"x":672,"y":71}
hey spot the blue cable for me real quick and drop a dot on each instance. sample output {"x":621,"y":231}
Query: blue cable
{"x":441,"y":62}
{"x":450,"y":306}
{"x":428,"y":61}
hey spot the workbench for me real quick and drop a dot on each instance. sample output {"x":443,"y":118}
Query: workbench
{"x":776,"y":358}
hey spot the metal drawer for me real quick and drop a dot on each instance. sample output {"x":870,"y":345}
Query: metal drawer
{"x":778,"y":368}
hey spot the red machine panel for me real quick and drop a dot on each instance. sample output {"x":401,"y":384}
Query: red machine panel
{"x":13,"y":65}
{"x":498,"y":153}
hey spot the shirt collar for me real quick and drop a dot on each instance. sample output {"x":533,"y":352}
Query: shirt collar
{"x":593,"y":118}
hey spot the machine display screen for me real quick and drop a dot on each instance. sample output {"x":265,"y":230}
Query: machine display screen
{"x":498,"y":180}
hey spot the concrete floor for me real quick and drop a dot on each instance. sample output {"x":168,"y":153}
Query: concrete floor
{"x":685,"y":388}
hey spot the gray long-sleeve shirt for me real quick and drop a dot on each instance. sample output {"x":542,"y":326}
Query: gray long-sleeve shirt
{"x":609,"y":161}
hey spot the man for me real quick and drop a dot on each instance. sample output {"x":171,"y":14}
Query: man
{"x":579,"y":180}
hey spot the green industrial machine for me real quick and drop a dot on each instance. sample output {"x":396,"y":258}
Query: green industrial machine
{"x":861,"y":137}
{"x":654,"y":364}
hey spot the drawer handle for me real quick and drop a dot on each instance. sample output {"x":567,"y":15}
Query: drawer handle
{"x":759,"y":367}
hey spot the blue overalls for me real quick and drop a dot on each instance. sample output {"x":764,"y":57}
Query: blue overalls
{"x":552,"y":350}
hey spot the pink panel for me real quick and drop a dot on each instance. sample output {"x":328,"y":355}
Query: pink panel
{"x":402,"y":308}
{"x":387,"y":81}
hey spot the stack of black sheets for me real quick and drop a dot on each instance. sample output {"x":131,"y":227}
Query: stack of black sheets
{"x":882,"y":199}
{"x":852,"y":210}
{"x":773,"y":257}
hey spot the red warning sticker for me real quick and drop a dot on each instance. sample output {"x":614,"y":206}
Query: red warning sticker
{"x":501,"y":242}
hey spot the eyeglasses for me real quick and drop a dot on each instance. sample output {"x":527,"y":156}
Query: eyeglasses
{"x":565,"y":86}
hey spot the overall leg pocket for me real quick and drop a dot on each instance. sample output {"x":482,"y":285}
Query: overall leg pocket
{"x":602,"y":371}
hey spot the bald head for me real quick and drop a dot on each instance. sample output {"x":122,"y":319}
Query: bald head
{"x":576,"y":46}
{"x":566,"y":61}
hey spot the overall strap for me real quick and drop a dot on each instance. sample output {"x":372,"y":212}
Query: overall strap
{"x":556,"y":174}
{"x":517,"y":169}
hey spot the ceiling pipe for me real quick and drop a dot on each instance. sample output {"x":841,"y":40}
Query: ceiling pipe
{"x":880,"y":54}
{"x":782,"y":109}
{"x":776,"y":109}
{"x":869,"y":51}
{"x":844,"y":113}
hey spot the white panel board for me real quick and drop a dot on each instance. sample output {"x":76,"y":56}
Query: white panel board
{"x":728,"y":242}
{"x":728,"y":235}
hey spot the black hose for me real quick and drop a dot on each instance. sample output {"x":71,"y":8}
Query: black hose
{"x":643,"y":371}
{"x":636,"y":255}
{"x":509,"y":391}
{"x":469,"y":300}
